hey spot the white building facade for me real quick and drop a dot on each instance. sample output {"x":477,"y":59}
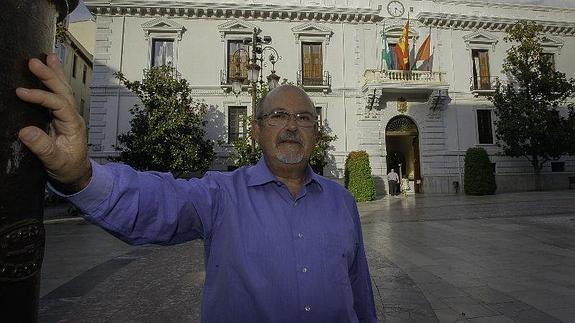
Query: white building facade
{"x":424,"y":120}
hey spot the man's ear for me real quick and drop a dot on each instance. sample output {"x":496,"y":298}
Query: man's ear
{"x":256,"y":131}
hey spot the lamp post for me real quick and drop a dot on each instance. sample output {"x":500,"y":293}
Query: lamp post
{"x":257,"y":60}
{"x":22,"y":176}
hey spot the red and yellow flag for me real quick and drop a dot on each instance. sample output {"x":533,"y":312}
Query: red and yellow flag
{"x":402,"y":49}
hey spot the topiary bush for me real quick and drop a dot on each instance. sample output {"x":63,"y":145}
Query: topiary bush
{"x":479,"y":178}
{"x":358,"y":178}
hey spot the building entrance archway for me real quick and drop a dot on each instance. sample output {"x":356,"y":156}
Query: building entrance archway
{"x":402,"y":145}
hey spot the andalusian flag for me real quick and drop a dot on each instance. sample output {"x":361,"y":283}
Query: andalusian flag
{"x":386,"y":54}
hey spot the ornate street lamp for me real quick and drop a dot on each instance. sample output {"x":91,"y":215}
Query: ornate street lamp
{"x":254,"y":73}
{"x":22,"y":175}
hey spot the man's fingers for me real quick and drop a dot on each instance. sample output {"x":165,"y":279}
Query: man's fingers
{"x":52,"y":101}
{"x":40,"y":144}
{"x":49,"y":77}
{"x":56,"y":66}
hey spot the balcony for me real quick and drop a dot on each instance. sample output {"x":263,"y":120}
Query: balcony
{"x":483,"y":85}
{"x":411,"y":85}
{"x":322,"y":84}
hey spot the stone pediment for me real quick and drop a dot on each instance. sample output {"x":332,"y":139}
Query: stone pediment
{"x":481,"y":38}
{"x":312,"y":29}
{"x":551,"y":42}
{"x":236,"y":27}
{"x":163,"y":25}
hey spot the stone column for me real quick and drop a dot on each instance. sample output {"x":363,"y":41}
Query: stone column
{"x":27,"y":30}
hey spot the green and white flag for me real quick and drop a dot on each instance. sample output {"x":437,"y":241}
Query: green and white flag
{"x":387,"y":62}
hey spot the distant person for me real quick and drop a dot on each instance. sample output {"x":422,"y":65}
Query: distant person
{"x":393,"y":182}
{"x":282,"y":244}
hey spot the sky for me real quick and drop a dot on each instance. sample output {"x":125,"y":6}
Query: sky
{"x":82,"y":13}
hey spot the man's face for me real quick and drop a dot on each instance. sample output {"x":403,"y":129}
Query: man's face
{"x":291,"y":143}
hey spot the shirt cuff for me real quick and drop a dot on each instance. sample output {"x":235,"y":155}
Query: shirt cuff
{"x":99,"y":188}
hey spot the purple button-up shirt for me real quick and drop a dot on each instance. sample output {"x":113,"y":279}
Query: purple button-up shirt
{"x":268,"y":257}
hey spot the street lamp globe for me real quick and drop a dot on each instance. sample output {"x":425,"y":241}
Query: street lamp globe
{"x":237,"y":82}
{"x":253,"y":72}
{"x":273,"y":80}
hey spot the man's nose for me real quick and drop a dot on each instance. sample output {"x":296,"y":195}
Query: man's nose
{"x":292,"y":123}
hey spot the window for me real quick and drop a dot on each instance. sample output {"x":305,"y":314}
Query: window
{"x":551,"y":58}
{"x":74,"y":63}
{"x":236,"y":123}
{"x":84,"y":73}
{"x":319,"y":118}
{"x":484,"y":127}
{"x":237,"y":59}
{"x":162,"y":52}
{"x":312,"y":62}
{"x":481,"y":77}
{"x":557,"y":166}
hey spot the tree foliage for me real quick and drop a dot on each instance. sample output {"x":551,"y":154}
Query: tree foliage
{"x":527,"y":107}
{"x":479,"y":178}
{"x":167,"y":131}
{"x":357,"y":176}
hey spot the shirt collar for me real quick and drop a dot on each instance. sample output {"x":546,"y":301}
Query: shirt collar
{"x":260,"y":174}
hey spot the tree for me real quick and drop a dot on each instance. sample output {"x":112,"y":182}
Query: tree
{"x":527,"y":107}
{"x":479,"y":178}
{"x":167,"y":131}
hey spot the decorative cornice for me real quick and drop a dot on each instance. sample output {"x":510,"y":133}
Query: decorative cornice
{"x":468,"y":22}
{"x":163,"y":25}
{"x":312,"y":29}
{"x":184,"y":9}
{"x":500,"y":5}
{"x":480,"y":37}
{"x":236,"y":27}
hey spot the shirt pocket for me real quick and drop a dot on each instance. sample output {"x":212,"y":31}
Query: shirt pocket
{"x":338,"y":255}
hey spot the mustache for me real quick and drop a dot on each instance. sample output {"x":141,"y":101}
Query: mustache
{"x":289,"y":136}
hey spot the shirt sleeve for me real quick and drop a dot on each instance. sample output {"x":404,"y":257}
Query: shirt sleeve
{"x":360,"y":278}
{"x":148,"y":207}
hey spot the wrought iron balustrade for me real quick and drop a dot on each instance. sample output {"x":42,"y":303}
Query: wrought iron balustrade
{"x":400,"y":76}
{"x":483,"y":83}
{"x":320,"y":84}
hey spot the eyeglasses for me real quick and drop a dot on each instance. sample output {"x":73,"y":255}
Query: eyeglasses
{"x":281,"y":119}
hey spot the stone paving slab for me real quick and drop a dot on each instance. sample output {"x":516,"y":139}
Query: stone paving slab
{"x":502,"y":258}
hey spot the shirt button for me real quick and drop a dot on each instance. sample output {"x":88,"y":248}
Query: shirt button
{"x":307,"y":308}
{"x":304,"y":270}
{"x":300,"y":235}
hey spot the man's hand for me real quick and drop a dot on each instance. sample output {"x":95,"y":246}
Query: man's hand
{"x":64,"y":151}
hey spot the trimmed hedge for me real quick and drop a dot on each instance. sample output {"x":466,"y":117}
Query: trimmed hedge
{"x":479,"y":178}
{"x":358,"y":178}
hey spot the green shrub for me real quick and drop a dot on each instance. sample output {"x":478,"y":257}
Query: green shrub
{"x":358,"y":178}
{"x":479,"y":178}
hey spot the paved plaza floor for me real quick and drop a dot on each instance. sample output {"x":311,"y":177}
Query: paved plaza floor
{"x":503,"y":258}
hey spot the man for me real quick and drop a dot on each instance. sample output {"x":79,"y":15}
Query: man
{"x":282,"y":244}
{"x":393,"y":182}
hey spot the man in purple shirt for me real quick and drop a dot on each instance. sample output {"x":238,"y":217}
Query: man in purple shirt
{"x":282,"y":244}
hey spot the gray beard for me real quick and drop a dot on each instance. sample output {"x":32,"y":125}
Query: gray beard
{"x":290,"y":157}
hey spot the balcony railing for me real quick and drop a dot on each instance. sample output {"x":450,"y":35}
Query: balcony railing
{"x":485,"y":84}
{"x":399,"y":76}
{"x":173,"y":72}
{"x":317,"y":84}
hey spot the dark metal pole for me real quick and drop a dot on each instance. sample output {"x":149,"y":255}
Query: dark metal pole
{"x":27,"y":30}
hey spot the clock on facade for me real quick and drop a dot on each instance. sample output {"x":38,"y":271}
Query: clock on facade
{"x":395,"y":8}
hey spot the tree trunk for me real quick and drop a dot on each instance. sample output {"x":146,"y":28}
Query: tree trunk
{"x":537,"y":172}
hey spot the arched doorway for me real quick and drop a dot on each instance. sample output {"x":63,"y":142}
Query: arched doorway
{"x":402,"y":145}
